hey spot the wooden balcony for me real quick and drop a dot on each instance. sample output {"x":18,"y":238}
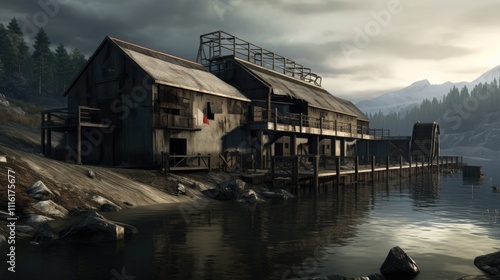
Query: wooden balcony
{"x":64,"y":118}
{"x":263,"y":119}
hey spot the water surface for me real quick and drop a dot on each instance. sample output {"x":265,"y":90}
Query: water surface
{"x":442,"y":222}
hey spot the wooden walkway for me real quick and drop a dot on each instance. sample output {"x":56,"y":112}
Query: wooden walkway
{"x":292,"y":170}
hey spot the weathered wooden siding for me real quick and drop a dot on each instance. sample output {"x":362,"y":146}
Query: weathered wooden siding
{"x":223,"y":133}
{"x":122,"y":91}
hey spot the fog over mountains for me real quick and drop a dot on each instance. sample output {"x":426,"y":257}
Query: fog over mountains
{"x":414,"y":94}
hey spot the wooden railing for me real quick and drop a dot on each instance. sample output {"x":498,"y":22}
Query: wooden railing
{"x":64,"y":116}
{"x":259,"y":114}
{"x":185,"y":162}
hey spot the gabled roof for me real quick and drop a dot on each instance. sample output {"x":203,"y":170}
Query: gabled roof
{"x":315,"y":96}
{"x":173,"y":71}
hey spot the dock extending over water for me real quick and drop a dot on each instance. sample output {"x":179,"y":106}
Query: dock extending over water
{"x":290,"y":171}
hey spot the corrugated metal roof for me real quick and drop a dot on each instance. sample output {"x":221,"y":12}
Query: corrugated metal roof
{"x":174,"y":71}
{"x":314,"y":95}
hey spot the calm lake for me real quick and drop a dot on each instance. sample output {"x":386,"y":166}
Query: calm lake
{"x":442,"y":222}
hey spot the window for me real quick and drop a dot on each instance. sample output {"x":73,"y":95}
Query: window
{"x":286,"y":145}
{"x":210,"y":115}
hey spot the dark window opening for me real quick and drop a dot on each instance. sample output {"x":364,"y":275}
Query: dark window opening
{"x":171,"y":111}
{"x":286,"y":146}
{"x":210,"y":115}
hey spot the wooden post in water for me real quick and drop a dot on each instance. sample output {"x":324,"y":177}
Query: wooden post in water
{"x":273,"y":170}
{"x":356,"y":169}
{"x":400,"y":166}
{"x":337,"y":170}
{"x":423,"y":161}
{"x":296,"y":165}
{"x":316,"y":172}
{"x":409,"y":170}
{"x":387,"y":163}
{"x":373,"y":168}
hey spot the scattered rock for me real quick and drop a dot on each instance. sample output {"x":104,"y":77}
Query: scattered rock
{"x":3,"y":159}
{"x":40,"y":191}
{"x":51,"y":209}
{"x":44,"y":233}
{"x":398,"y":265}
{"x":181,"y":189}
{"x":92,"y":174}
{"x":24,"y":228}
{"x":129,"y":230}
{"x":489,"y":263}
{"x":4,"y":216}
{"x":226,"y":191}
{"x":92,"y":228}
{"x":250,"y":196}
{"x":101,"y":200}
{"x":34,"y":218}
{"x":108,"y":208}
{"x":9,"y":107}
{"x":128,"y":204}
{"x":278,"y":195}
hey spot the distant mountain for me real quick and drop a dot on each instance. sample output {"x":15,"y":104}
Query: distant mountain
{"x":414,"y":94}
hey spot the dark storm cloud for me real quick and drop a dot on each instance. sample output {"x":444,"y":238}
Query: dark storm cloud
{"x":172,"y":26}
{"x":309,"y":32}
{"x":307,"y":8}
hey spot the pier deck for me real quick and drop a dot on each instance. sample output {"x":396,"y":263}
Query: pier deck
{"x":296,"y":169}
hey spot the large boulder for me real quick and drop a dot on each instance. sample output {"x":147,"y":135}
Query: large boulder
{"x":44,"y":233}
{"x":489,"y":263}
{"x":108,"y":208}
{"x":398,"y":265}
{"x":34,"y":218}
{"x":93,"y":228}
{"x":226,"y":191}
{"x":40,"y":191}
{"x":51,"y":209}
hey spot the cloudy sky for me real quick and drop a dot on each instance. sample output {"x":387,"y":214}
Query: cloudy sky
{"x":360,"y":48}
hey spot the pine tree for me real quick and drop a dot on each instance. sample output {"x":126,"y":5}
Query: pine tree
{"x":77,"y":61}
{"x":42,"y":57}
{"x":62,"y":68}
{"x":1,"y":71}
{"x":6,"y":50}
{"x":19,"y":46}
